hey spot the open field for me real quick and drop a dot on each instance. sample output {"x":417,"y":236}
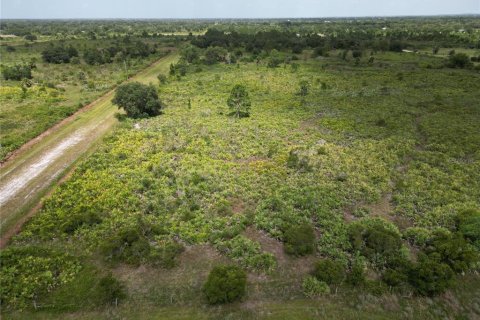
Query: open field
{"x":32,"y":172}
{"x":339,"y":172}
{"x":56,"y":90}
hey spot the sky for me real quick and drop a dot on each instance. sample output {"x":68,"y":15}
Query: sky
{"x":174,"y":9}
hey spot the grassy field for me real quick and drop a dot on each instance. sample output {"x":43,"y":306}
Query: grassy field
{"x":396,"y":139}
{"x":58,"y":90}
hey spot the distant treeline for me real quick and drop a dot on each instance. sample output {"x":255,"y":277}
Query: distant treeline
{"x":286,"y":40}
{"x":117,"y":51}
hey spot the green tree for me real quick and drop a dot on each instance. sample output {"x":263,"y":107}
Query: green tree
{"x":225,"y":284}
{"x":138,"y":100}
{"x":215,"y":54}
{"x":239,"y":101}
{"x":190,"y":54}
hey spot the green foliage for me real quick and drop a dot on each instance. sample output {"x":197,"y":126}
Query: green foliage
{"x":17,"y":72}
{"x":430,"y":277}
{"x":453,"y":250}
{"x":225,"y":283}
{"x":28,"y":273}
{"x":162,"y":78}
{"x":459,"y":60}
{"x":468,"y":224}
{"x":356,"y":276}
{"x":138,"y":100}
{"x":375,"y":239}
{"x":59,"y":54}
{"x":248,"y":253}
{"x":304,"y":86}
{"x":329,"y":271}
{"x":191,"y":54}
{"x":312,"y":287}
{"x":275,"y":59}
{"x":214,"y":55}
{"x":239,"y":101}
{"x":299,"y":240}
{"x":111,"y":290}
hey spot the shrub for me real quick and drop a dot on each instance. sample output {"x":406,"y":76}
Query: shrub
{"x":239,"y":101}
{"x":225,"y":283}
{"x":314,"y":288}
{"x":330,"y":271}
{"x":28,"y":273}
{"x":138,"y":100}
{"x":127,"y":246}
{"x":59,"y":54}
{"x":215,"y":54}
{"x":303,"y":88}
{"x":468,"y":224}
{"x":453,"y":250}
{"x":376,"y":239}
{"x":17,"y":72}
{"x":417,"y":235}
{"x":299,"y":240}
{"x":110,"y":290}
{"x":165,"y":253}
{"x":459,"y":60}
{"x":430,"y":277}
{"x":356,"y":276}
{"x":162,"y":78}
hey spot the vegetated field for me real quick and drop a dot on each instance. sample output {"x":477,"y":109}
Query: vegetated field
{"x":56,"y":90}
{"x":377,"y":159}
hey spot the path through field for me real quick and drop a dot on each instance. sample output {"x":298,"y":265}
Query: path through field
{"x":30,"y":174}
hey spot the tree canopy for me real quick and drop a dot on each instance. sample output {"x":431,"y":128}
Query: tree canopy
{"x":138,"y":100}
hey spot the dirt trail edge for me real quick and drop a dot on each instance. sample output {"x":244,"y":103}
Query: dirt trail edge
{"x":28,"y":176}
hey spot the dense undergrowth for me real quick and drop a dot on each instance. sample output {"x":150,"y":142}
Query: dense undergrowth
{"x":378,"y":164}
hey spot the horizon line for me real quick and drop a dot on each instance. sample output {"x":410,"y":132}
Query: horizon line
{"x":261,"y":18}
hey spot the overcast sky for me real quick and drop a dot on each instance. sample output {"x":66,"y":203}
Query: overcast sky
{"x":42,"y":9}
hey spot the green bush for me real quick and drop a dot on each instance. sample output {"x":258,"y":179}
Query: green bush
{"x":28,"y":273}
{"x":331,"y":272}
{"x":225,"y":283}
{"x":299,"y":240}
{"x":453,"y":250}
{"x":111,"y":290}
{"x":127,"y":246}
{"x":430,"y":277}
{"x":376,"y":239}
{"x":356,"y":276}
{"x":314,"y":288}
{"x":17,"y":72}
{"x":459,"y":60}
{"x":468,"y":224}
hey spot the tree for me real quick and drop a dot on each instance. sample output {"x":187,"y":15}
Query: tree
{"x":239,"y":101}
{"x":190,"y":54}
{"x":225,"y":284}
{"x":59,"y":54}
{"x":215,"y":54}
{"x":138,"y":100}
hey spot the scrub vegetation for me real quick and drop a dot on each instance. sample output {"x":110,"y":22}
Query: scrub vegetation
{"x":290,"y":174}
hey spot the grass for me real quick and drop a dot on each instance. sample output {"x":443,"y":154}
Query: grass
{"x":58,"y":91}
{"x":96,"y":122}
{"x":392,"y":129}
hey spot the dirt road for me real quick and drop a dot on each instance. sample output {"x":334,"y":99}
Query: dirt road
{"x":31,"y":174}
